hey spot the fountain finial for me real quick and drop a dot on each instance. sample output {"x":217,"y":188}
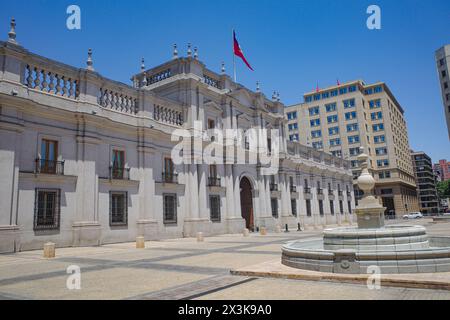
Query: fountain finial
{"x":89,"y":62}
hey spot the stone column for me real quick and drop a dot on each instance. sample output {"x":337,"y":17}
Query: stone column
{"x":286,"y":210}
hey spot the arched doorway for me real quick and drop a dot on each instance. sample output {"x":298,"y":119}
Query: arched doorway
{"x":247,"y":203}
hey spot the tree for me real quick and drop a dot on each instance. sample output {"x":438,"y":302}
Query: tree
{"x":443,"y":189}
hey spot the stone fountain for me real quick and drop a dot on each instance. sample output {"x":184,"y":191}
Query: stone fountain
{"x":393,"y":248}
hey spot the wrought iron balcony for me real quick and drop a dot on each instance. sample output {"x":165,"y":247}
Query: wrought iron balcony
{"x":273,"y":187}
{"x":293,"y":188}
{"x":118,"y":173}
{"x":339,"y":192}
{"x":49,"y":166}
{"x":349,"y":193}
{"x":319,"y":191}
{"x":214,"y":182}
{"x":307,"y":190}
{"x":330,"y":192}
{"x":169,"y":177}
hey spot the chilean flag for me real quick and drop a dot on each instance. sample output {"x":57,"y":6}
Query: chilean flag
{"x":238,"y":51}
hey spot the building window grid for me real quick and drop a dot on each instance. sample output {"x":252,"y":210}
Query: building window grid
{"x":47,"y":211}
{"x":214,"y":204}
{"x":118,"y":206}
{"x":170,"y":208}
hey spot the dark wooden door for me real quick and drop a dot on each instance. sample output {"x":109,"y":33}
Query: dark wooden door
{"x":247,"y":203}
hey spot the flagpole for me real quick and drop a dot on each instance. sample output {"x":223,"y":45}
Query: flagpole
{"x":234,"y":58}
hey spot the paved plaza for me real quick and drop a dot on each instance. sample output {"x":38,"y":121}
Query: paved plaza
{"x":182,"y":269}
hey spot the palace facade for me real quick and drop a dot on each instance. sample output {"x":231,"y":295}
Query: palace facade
{"x":86,"y":160}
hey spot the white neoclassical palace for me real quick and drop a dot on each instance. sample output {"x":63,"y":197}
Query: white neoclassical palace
{"x":85,"y":160}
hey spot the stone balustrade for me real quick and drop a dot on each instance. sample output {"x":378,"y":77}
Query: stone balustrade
{"x":168,"y":115}
{"x":119,"y":100}
{"x":211,"y":81}
{"x":157,"y":77}
{"x":57,"y":82}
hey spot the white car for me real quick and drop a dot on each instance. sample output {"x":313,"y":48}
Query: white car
{"x":413,"y":215}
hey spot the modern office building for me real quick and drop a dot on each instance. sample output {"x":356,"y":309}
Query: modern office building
{"x":442,"y":170}
{"x":343,"y":118}
{"x":426,"y":182}
{"x":443,"y":68}
{"x":85,"y":160}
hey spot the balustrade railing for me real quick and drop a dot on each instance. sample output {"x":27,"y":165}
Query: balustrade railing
{"x":211,"y":82}
{"x":167,"y":115}
{"x":49,"y":81}
{"x":118,"y":101}
{"x":214,"y":181}
{"x":157,"y":77}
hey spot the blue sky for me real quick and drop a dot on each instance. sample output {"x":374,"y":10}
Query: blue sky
{"x":292,"y":45}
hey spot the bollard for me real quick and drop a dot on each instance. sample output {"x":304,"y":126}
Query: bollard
{"x":286,"y":228}
{"x":262,"y":231}
{"x":200,"y":237}
{"x":278,"y":229}
{"x":246,"y":233}
{"x":298,"y":227}
{"x":49,"y":250}
{"x":140,"y":242}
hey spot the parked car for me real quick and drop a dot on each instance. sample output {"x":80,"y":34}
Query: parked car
{"x":413,"y":215}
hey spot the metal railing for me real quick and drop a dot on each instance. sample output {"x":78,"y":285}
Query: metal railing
{"x":273,"y":187}
{"x":307,"y":190}
{"x":214,"y":182}
{"x":293,"y":188}
{"x":169,"y":177}
{"x":117,"y":173}
{"x":49,"y":166}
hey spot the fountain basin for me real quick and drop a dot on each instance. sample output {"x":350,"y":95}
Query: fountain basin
{"x":312,"y":255}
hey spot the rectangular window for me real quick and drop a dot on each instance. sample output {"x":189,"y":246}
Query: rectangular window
{"x":375,"y":104}
{"x":292,"y":115}
{"x":49,"y":156}
{"x":383,"y":163}
{"x":343,"y":91}
{"x":337,"y":153}
{"x":332,"y":207}
{"x":118,"y":209}
{"x":335,"y":142}
{"x":313,"y":111}
{"x":274,"y":204}
{"x":321,"y":207}
{"x":316,"y":97}
{"x":349,"y":204}
{"x":380,"y":151}
{"x":170,"y":208}
{"x":47,"y":209}
{"x":294,"y":207}
{"x":332,"y":119}
{"x":377,"y":89}
{"x":316,"y":134}
{"x":349,"y":103}
{"x":325,"y":95}
{"x":350,"y":115}
{"x":376,"y":115}
{"x":378,"y":127}
{"x":308,"y":99}
{"x":211,"y":124}
{"x":314,"y":122}
{"x":353,"y":139}
{"x":352,"y":127}
{"x":118,"y":164}
{"x":379,"y":139}
{"x":332,"y":131}
{"x":334,"y":93}
{"x":214,"y":204}
{"x":308,"y":207}
{"x":352,"y":88}
{"x":330,"y":107}
{"x":341,"y":206}
{"x":293,"y":137}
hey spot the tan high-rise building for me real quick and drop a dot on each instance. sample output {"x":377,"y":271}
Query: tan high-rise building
{"x":343,"y":118}
{"x":443,"y":63}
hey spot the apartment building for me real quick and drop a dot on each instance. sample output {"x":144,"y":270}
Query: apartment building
{"x":426,"y":182}
{"x":86,"y":160}
{"x":343,"y":118}
{"x":442,"y":170}
{"x":443,"y":69}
